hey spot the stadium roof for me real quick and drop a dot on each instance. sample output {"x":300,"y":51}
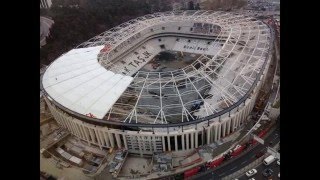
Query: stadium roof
{"x":79,"y":83}
{"x":82,"y":81}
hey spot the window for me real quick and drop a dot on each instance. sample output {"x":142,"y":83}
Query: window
{"x":189,"y":40}
{"x":177,"y":39}
{"x":179,"y":28}
{"x":151,"y":30}
{"x":191,"y":29}
{"x":163,"y":28}
{"x":162,"y":46}
{"x":209,"y":43}
{"x":159,"y":40}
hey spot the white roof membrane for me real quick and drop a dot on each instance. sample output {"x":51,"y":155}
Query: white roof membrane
{"x":78,"y":82}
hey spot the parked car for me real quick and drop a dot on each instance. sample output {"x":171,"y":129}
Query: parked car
{"x":270,"y":159}
{"x":251,"y":172}
{"x":278,"y":162}
{"x":279,"y":175}
{"x":267,"y":172}
{"x":252,"y":179}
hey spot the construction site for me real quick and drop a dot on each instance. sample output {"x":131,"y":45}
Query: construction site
{"x":160,"y":95}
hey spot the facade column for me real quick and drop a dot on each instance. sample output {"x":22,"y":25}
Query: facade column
{"x":75,"y":129}
{"x":169,"y":145}
{"x":150,"y":143}
{"x":125,"y":141}
{"x":182,"y":141}
{"x":229,"y":126}
{"x":249,"y":107}
{"x":154,"y":143}
{"x":118,"y":140}
{"x":192,"y":142}
{"x":140,"y":146}
{"x":87,"y":134}
{"x":103,"y":142}
{"x":68,"y":126}
{"x":237,"y":119}
{"x":80,"y":131}
{"x":215,"y":132}
{"x":163,"y":144}
{"x":143,"y":143}
{"x":63,"y":121}
{"x":175,"y":143}
{"x":97,"y":135}
{"x":98,"y":138}
{"x":187,"y":140}
{"x":212,"y":134}
{"x":56,"y":118}
{"x":232,"y":124}
{"x":92,"y":135}
{"x":196,"y":140}
{"x":208,"y":135}
{"x":224,"y":128}
{"x":219,"y":131}
{"x":242,"y":116}
{"x":106,"y":139}
{"x":72,"y":128}
{"x":111,"y":139}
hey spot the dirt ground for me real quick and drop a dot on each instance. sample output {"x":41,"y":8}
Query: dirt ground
{"x":137,"y":164}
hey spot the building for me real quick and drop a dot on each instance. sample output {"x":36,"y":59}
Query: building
{"x":45,"y":26}
{"x":103,"y":92}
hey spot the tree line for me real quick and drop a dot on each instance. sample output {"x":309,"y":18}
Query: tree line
{"x":76,"y":21}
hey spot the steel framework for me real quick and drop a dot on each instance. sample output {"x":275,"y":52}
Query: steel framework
{"x":218,"y":84}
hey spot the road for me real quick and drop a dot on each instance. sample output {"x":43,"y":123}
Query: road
{"x":274,"y":166}
{"x":243,"y":160}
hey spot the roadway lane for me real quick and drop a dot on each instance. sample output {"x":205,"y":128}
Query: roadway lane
{"x":274,"y":166}
{"x":243,"y":160}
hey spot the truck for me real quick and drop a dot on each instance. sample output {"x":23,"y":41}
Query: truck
{"x":269,"y":160}
{"x":191,"y":172}
{"x":215,"y":163}
{"x":237,"y":150}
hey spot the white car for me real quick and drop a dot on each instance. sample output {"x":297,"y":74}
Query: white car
{"x":252,"y":179}
{"x":278,"y":162}
{"x":251,"y":172}
{"x":279,"y":175}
